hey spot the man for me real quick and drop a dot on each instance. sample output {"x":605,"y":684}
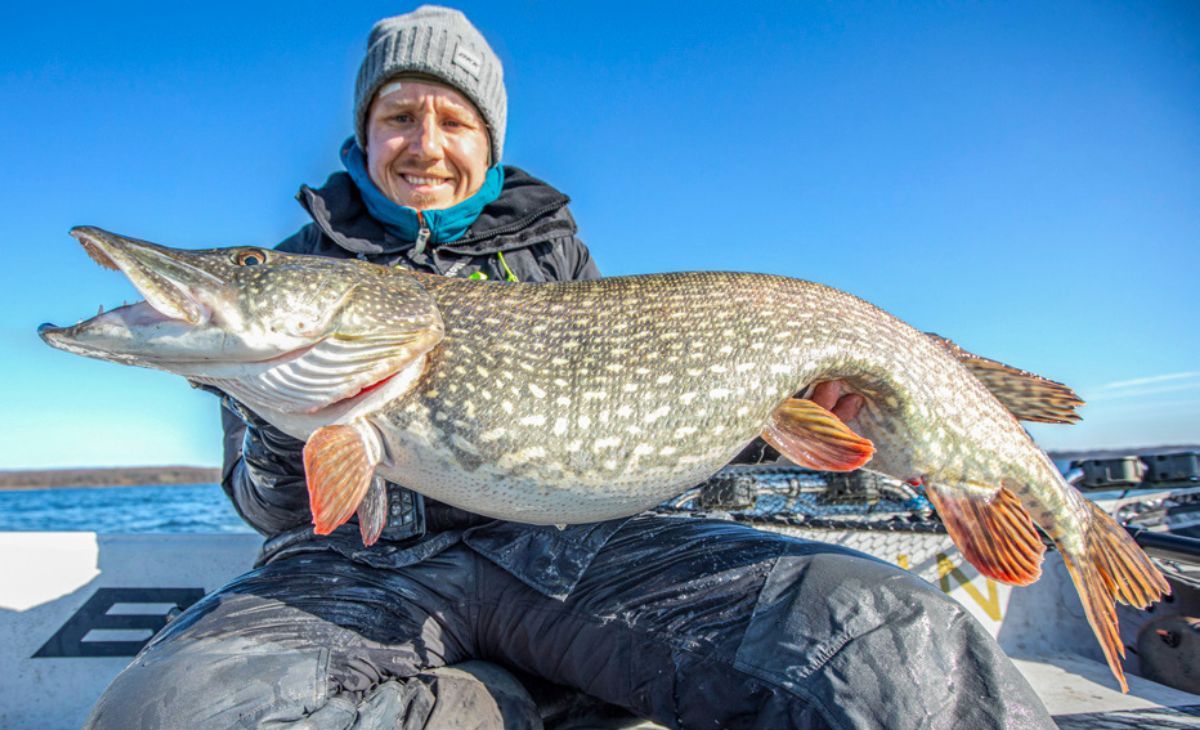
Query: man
{"x":693,"y":623}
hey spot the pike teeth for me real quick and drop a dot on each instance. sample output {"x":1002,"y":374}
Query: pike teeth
{"x":96,"y":253}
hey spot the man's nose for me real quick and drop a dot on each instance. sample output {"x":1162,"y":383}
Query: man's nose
{"x":428,"y":141}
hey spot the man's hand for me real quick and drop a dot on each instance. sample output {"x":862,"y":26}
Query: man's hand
{"x":832,"y":396}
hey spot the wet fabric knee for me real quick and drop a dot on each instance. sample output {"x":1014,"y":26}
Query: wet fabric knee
{"x":203,"y":688}
{"x":875,"y":646}
{"x":169,"y":689}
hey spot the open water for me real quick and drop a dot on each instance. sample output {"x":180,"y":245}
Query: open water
{"x":181,"y":508}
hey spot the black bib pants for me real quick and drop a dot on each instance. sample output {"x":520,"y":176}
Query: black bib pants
{"x":693,"y":623}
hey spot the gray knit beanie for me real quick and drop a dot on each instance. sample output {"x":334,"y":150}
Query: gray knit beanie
{"x":440,"y":43}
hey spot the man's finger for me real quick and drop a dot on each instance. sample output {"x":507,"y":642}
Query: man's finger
{"x":826,"y":394}
{"x":848,"y":406}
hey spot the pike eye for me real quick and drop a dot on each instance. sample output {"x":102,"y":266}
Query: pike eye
{"x":251,"y":257}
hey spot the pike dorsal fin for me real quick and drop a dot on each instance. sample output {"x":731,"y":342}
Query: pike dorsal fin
{"x":994,"y":532}
{"x":814,"y":438}
{"x":1028,"y":396}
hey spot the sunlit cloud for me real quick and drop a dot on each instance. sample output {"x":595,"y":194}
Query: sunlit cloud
{"x":1135,"y":382}
{"x":1148,"y":386}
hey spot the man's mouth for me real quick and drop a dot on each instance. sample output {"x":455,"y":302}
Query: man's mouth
{"x":424,"y":180}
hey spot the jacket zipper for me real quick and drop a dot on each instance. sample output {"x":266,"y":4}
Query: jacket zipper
{"x":422,"y":235}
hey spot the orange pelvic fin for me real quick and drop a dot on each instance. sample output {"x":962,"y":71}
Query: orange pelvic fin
{"x":995,"y":533}
{"x":373,"y":511}
{"x":813,"y":437}
{"x":338,"y":470}
{"x":1113,"y":569}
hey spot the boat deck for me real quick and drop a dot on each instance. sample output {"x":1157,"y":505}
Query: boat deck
{"x":76,"y":606}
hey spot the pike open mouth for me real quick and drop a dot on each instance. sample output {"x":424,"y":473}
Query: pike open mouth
{"x":170,"y":307}
{"x":243,"y":334}
{"x":159,"y":276}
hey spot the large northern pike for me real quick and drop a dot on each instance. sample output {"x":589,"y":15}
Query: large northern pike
{"x":584,"y":401}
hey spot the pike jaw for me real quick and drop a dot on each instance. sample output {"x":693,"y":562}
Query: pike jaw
{"x":305,"y":337}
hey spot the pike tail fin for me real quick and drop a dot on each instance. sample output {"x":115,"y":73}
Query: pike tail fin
{"x":1113,"y":569}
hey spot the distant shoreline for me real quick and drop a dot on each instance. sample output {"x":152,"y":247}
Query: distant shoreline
{"x":123,"y":476}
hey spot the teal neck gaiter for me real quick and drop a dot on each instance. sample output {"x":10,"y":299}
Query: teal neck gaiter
{"x":443,"y":226}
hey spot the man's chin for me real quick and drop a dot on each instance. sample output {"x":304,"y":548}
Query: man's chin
{"x":427,"y":201}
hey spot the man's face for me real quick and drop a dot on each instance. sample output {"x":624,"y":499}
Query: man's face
{"x":427,"y":146}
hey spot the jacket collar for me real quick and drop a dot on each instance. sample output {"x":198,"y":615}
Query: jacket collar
{"x":505,"y":224}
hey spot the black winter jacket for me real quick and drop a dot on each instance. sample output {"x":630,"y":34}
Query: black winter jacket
{"x":527,"y":231}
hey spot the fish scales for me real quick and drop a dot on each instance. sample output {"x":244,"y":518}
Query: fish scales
{"x":582,"y":401}
{"x":641,"y":384}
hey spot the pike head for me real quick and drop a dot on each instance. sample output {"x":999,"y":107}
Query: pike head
{"x":283,"y":333}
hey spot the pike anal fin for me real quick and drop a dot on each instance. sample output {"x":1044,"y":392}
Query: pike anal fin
{"x":373,"y":511}
{"x":1115,"y":568}
{"x":338,"y":469}
{"x":813,"y":437}
{"x":995,"y":532}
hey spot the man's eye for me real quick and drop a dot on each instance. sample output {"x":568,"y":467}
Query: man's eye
{"x":402,"y":118}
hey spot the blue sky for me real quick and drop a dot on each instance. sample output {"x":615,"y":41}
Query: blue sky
{"x":1021,"y":177}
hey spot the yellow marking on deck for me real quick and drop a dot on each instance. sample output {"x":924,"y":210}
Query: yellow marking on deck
{"x":947,"y":570}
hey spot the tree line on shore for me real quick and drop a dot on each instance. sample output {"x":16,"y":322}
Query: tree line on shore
{"x":121,"y":476}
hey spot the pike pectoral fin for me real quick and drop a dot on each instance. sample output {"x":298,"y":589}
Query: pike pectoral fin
{"x":373,"y":511}
{"x":995,"y":533}
{"x":1113,"y":568}
{"x":339,"y":470}
{"x":813,"y":437}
